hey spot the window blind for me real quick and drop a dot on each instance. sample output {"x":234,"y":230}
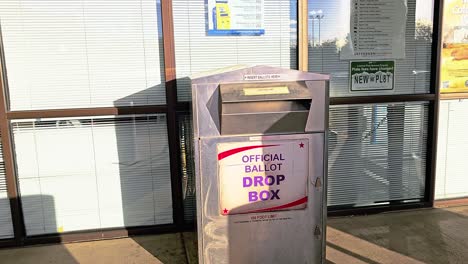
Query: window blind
{"x":90,"y":173}
{"x":377,"y":153}
{"x":82,"y":53}
{"x":196,"y":52}
{"x":328,"y":35}
{"x":452,"y":153}
{"x":187,"y":167}
{"x":6,"y":225}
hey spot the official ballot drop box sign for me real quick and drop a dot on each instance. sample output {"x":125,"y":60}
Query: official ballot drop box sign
{"x":271,"y":172}
{"x":260,"y":162}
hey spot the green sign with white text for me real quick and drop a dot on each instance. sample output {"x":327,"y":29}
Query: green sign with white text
{"x":372,"y":75}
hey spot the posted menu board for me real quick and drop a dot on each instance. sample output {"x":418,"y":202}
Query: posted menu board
{"x":454,"y":57}
{"x":377,"y":30}
{"x":235,"y":17}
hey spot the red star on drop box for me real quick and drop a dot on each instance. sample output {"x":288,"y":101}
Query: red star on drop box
{"x":301,"y":145}
{"x":225,"y":211}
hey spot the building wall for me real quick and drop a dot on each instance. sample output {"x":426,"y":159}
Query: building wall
{"x":98,"y":171}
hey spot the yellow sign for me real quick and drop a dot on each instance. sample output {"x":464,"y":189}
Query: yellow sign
{"x":266,"y":90}
{"x":454,"y":56}
{"x":223,"y":16}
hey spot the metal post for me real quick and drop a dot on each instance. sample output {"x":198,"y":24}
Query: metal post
{"x":171,"y":97}
{"x":7,"y":145}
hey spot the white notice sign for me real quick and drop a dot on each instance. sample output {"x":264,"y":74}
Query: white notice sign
{"x":261,"y":176}
{"x":377,"y":30}
{"x":262,"y":77}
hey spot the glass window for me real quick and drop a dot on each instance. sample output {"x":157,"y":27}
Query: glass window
{"x":187,"y":167}
{"x":454,"y":53}
{"x":78,"y":54}
{"x":377,"y":153}
{"x":90,"y":173}
{"x":197,"y":52}
{"x":6,"y":225}
{"x":329,"y":35}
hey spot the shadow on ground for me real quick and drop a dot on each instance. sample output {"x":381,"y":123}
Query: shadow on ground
{"x":176,"y":248}
{"x":40,"y":217}
{"x":421,"y":236}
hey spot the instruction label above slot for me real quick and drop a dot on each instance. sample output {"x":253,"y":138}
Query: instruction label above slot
{"x":266,"y":90}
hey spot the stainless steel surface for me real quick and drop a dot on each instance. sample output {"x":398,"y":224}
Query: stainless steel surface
{"x":235,"y":93}
{"x":298,"y":235}
{"x":270,"y":108}
{"x":226,"y":239}
{"x":264,"y":123}
{"x":205,"y":96}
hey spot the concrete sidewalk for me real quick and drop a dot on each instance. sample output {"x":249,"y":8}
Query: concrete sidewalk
{"x":421,"y":236}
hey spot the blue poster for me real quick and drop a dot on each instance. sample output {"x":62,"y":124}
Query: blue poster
{"x":235,"y":18}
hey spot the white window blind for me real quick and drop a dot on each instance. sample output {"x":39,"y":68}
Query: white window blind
{"x":187,"y":167}
{"x":196,"y":52}
{"x":77,"y":174}
{"x":328,"y":35}
{"x":82,"y":53}
{"x":377,"y":153}
{"x":6,"y":225}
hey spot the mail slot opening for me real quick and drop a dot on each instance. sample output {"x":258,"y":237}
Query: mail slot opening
{"x":264,"y":107}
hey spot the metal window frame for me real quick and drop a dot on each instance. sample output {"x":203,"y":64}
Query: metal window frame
{"x":173,"y":108}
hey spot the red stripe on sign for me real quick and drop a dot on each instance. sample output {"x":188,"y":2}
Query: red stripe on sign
{"x":230,"y":152}
{"x":284,"y":206}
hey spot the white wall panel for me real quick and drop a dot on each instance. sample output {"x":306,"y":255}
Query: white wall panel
{"x":442,"y":149}
{"x":452,"y":166}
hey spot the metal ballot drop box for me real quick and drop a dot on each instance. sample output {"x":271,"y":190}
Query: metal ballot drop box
{"x":261,"y":161}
